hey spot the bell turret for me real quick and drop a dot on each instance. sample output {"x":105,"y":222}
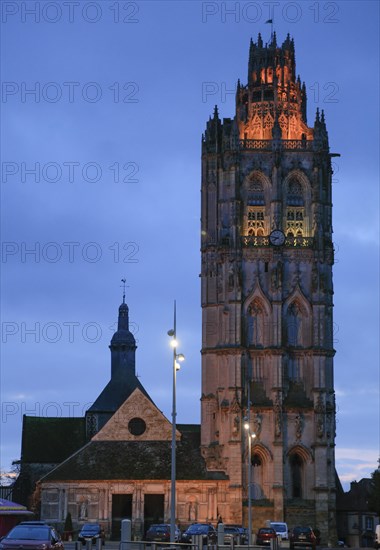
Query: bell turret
{"x":123,"y":346}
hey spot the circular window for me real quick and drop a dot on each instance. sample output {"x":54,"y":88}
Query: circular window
{"x":136,"y":426}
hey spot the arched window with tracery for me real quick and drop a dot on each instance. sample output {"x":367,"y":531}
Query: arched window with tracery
{"x":295,"y":209}
{"x":255,"y":209}
{"x":296,"y":476}
{"x":257,"y":474}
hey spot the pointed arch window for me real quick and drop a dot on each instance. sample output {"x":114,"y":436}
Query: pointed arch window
{"x":257,"y":477}
{"x":256,"y":194}
{"x":295,"y":209}
{"x":255,"y":221}
{"x":296,"y":476}
{"x":255,"y":209}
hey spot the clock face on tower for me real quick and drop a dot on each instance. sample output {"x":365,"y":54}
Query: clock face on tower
{"x":277,"y":237}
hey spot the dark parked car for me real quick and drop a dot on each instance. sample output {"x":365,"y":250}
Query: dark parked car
{"x":302,"y":536}
{"x":235,"y":533}
{"x":33,"y":522}
{"x":160,"y":532}
{"x":91,"y":531}
{"x":32,"y":536}
{"x":205,"y":530}
{"x":265,"y":535}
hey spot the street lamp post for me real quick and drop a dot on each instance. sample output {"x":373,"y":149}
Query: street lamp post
{"x":249,"y":483}
{"x":176,"y":366}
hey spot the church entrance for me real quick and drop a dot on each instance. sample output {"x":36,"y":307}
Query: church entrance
{"x":153,"y":510}
{"x":121,"y":509}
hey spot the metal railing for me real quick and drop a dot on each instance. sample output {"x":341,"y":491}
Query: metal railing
{"x":267,"y":144}
{"x":298,"y":242}
{"x":150,"y":545}
{"x":233,"y":144}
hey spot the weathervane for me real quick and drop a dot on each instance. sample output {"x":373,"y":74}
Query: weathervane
{"x":271,"y":21}
{"x":124,"y":286}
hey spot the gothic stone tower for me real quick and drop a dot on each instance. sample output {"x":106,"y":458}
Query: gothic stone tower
{"x":267,"y":299}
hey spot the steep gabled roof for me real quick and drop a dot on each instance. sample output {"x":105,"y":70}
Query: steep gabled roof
{"x":51,"y":440}
{"x":115,"y":393}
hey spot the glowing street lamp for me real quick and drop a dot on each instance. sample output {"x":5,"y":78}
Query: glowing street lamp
{"x":177,"y":359}
{"x":251,"y":436}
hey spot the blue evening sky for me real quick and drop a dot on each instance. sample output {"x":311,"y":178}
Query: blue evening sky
{"x":122,"y":93}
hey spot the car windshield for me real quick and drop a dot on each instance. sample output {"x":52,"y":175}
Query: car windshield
{"x":265,"y":531}
{"x":231,"y":530}
{"x":195,"y":529}
{"x":90,"y":528}
{"x":27,"y":532}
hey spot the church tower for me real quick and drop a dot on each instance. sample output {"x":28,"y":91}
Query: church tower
{"x":267,"y":299}
{"x":123,"y":380}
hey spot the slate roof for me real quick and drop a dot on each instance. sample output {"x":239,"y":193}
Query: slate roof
{"x":51,"y":440}
{"x":116,"y":393}
{"x":357,"y":497}
{"x":128,"y":460}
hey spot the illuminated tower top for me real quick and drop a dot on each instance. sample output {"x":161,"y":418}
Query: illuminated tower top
{"x":273,"y":93}
{"x":271,"y":108}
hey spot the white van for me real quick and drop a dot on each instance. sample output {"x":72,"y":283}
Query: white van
{"x":281,"y":529}
{"x":377,"y":536}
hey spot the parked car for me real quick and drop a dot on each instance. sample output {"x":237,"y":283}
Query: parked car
{"x":281,"y":529}
{"x":33,"y":522}
{"x":207,"y":531}
{"x":302,"y":536}
{"x":265,"y":535}
{"x":160,"y":532}
{"x":32,"y":536}
{"x":91,"y":531}
{"x":235,"y":533}
{"x":231,"y":534}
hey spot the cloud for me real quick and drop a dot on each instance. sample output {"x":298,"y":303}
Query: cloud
{"x":346,"y":453}
{"x":368,"y":237}
{"x":353,"y":464}
{"x":365,"y":390}
{"x":18,"y":396}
